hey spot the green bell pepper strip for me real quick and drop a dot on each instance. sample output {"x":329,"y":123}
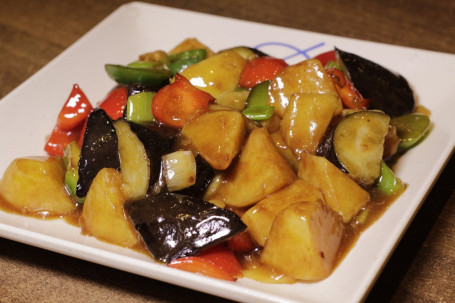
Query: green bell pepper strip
{"x":257,"y":107}
{"x":180,"y":61}
{"x":139,"y":108}
{"x":125,"y":75}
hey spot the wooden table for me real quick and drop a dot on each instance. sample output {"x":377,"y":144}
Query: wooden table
{"x":422,"y":269}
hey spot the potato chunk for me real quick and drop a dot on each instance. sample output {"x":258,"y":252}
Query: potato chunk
{"x":103,"y":216}
{"x":307,"y":76}
{"x":260,"y":170}
{"x":217,"y":136}
{"x":341,"y":193}
{"x":36,"y":186}
{"x":260,"y":217}
{"x":304,"y":241}
{"x":216,"y":74}
{"x":306,"y":120}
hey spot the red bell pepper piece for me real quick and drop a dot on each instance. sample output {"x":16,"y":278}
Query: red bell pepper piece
{"x":58,"y":140}
{"x":222,"y":256}
{"x":201,"y":266}
{"x":241,"y":242}
{"x":217,"y":262}
{"x":261,"y":69}
{"x":349,"y":95}
{"x":326,"y":57}
{"x":174,"y":103}
{"x":115,"y":102}
{"x":75,"y":110}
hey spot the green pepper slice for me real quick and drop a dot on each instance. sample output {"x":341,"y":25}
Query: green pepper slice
{"x":125,"y":75}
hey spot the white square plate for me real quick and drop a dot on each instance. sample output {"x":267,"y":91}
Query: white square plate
{"x":28,"y":114}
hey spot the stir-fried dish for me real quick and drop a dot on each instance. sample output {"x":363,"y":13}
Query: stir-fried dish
{"x":230,"y":164}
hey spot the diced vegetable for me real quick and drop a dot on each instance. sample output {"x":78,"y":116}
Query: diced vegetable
{"x":306,"y":120}
{"x":260,"y":171}
{"x":388,"y":183}
{"x":115,"y":102}
{"x":180,"y":61}
{"x":139,"y":108}
{"x":179,"y":170}
{"x":386,"y":90}
{"x":216,"y":74}
{"x":201,"y":266}
{"x":174,"y":104}
{"x":358,"y":142}
{"x":349,"y":95}
{"x":308,"y":76}
{"x":58,"y":140}
{"x":217,"y":136}
{"x":125,"y":75}
{"x":260,"y":217}
{"x":411,"y":128}
{"x":75,"y":110}
{"x":256,"y":104}
{"x":175,"y":226}
{"x":103,"y":216}
{"x":158,"y":140}
{"x":304,"y":241}
{"x":71,"y":157}
{"x":134,"y":163}
{"x":259,"y":70}
{"x":99,"y":149}
{"x":341,"y":193}
{"x":224,"y":258}
{"x":34,"y":186}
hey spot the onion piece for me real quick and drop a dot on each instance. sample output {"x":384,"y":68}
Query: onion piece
{"x":179,"y":170}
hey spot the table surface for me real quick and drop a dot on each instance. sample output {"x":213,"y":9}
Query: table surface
{"x":32,"y":33}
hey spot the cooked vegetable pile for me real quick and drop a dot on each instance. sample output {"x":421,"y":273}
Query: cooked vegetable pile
{"x":228,"y":164}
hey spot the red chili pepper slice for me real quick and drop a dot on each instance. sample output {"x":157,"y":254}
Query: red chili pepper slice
{"x":350,"y":96}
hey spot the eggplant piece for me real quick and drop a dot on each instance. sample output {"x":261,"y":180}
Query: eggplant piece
{"x":204,"y":175}
{"x":386,"y":90}
{"x":158,"y":140}
{"x":99,"y":150}
{"x":358,"y":142}
{"x":174,"y":226}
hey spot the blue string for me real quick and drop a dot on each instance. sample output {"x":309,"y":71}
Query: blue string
{"x":298,"y":51}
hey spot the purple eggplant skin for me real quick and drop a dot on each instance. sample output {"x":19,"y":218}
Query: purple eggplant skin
{"x":386,"y":90}
{"x":158,"y":140}
{"x":99,"y":149}
{"x":173,"y":226}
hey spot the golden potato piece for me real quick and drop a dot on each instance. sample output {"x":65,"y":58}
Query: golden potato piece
{"x":260,"y":217}
{"x":217,"y":74}
{"x":340,"y":192}
{"x":103,"y":216}
{"x":36,"y":186}
{"x":304,"y":241}
{"x":260,"y":170}
{"x":306,"y":120}
{"x":217,"y":136}
{"x":307,"y":76}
